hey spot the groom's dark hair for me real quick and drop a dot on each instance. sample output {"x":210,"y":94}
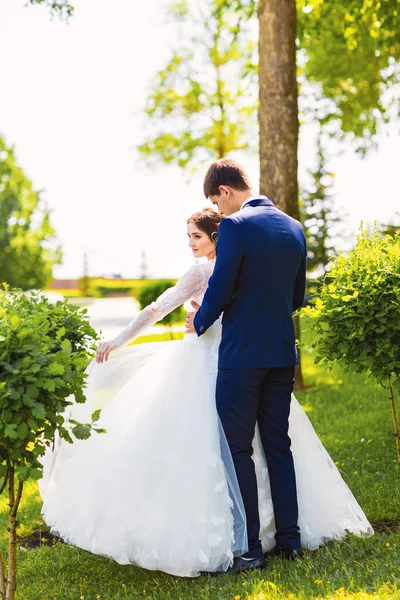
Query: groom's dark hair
{"x":225,"y":171}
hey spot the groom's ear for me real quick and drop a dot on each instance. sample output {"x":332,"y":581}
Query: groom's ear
{"x":224,"y":189}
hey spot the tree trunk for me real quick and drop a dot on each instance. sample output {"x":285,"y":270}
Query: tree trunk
{"x":278,"y":113}
{"x":3,"y":580}
{"x":12,"y":539}
{"x":2,"y":577}
{"x":395,"y":419}
{"x":14,"y":500}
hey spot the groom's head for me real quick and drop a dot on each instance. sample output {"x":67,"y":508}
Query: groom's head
{"x":227,"y":185}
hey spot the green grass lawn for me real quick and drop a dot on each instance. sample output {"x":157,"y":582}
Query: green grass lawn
{"x":353,"y":420}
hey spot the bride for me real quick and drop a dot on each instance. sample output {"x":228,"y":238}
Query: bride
{"x":159,"y":490}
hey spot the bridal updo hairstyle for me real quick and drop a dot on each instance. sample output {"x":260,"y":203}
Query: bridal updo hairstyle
{"x":207,"y":220}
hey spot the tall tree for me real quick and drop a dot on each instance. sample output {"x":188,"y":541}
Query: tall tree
{"x":348,"y":49}
{"x":345,"y":48}
{"x":348,"y":53}
{"x":278,"y":114}
{"x":27,"y":238}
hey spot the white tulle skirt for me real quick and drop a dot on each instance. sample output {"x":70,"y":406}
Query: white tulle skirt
{"x":158,"y":490}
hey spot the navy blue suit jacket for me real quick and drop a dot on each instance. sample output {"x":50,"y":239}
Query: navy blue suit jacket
{"x":258,"y":281}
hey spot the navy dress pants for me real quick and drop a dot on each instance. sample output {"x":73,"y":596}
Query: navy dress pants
{"x":244,"y":397}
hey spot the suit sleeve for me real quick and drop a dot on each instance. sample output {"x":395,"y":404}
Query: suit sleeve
{"x":300,"y":283}
{"x":222,"y":282}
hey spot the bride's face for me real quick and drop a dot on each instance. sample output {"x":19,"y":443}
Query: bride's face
{"x":199,"y":242}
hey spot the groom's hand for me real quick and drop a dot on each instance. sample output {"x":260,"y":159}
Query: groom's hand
{"x":190,"y":318}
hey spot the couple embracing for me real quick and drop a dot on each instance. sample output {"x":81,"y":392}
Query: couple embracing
{"x":209,"y":464}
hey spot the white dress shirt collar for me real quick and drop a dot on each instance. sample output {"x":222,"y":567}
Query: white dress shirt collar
{"x":259,"y":197}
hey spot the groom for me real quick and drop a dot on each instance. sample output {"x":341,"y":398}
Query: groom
{"x":258,"y":281}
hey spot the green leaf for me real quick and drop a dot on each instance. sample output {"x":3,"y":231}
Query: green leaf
{"x":22,"y":430}
{"x":9,"y":431}
{"x":66,"y":345}
{"x":38,"y":410}
{"x":26,"y":362}
{"x":33,"y":424}
{"x":61,"y":332}
{"x":32,"y":391}
{"x":96,"y":415}
{"x":81,"y":432}
{"x":49,"y":385}
{"x":56,"y":369}
{"x":15,"y":321}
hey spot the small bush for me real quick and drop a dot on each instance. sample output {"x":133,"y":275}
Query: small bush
{"x":356,"y":316}
{"x":43,"y":354}
{"x":150,"y":292}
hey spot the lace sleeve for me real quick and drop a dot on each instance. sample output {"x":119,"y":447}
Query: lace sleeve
{"x":188,"y":286}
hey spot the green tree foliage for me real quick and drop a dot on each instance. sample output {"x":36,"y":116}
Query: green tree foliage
{"x":351,"y":49}
{"x":151,"y":291}
{"x":43,"y":353}
{"x":203,"y":105}
{"x":318,"y":215}
{"x":27,"y":251}
{"x":356,"y":317}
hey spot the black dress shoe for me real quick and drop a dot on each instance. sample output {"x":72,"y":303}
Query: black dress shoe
{"x":289,"y":554}
{"x":240,"y":565}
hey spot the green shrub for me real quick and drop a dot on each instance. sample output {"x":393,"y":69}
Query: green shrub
{"x":356,"y":316}
{"x":150,"y":292}
{"x":105,"y":290}
{"x":43,"y":354}
{"x":67,"y":293}
{"x":99,"y":287}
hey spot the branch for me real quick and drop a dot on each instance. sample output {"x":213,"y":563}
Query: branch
{"x":3,"y":485}
{"x":2,"y":577}
{"x":17,"y":499}
{"x":395,"y":419}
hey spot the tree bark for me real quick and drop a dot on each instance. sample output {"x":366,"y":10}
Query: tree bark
{"x":14,"y":500}
{"x":278,"y":112}
{"x":3,"y":485}
{"x":2,"y":577}
{"x":395,"y":419}
{"x":3,"y":580}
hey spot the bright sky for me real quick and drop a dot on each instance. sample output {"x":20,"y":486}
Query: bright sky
{"x":71,"y":105}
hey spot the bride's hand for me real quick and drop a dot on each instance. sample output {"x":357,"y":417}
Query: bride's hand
{"x":104,"y":350}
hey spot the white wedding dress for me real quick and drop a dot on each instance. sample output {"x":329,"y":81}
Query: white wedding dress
{"x":158,"y":490}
